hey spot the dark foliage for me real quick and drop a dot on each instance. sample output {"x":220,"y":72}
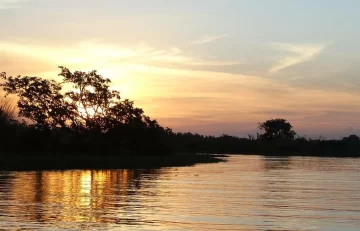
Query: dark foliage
{"x":92,"y":120}
{"x":301,"y":146}
{"x":351,"y":138}
{"x":89,"y":118}
{"x":276,"y":129}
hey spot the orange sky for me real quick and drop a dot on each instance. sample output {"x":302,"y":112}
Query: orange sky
{"x":192,"y":77}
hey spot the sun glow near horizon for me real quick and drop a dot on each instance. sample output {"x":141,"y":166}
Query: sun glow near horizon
{"x":178,"y":95}
{"x":196,"y":77}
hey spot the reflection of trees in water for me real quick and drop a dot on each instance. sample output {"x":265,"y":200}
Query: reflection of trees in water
{"x":299,"y":190}
{"x":274,"y":190}
{"x":322,"y":163}
{"x":5,"y":179}
{"x":274,"y":163}
{"x":81,"y":196}
{"x":274,"y":185}
{"x":307,"y":163}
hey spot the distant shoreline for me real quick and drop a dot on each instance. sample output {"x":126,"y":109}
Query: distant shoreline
{"x":279,"y":154}
{"x":21,"y":162}
{"x":81,"y":162}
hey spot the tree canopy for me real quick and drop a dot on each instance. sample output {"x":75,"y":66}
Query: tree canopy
{"x":276,"y":129}
{"x":81,"y":114}
{"x":89,"y":105}
{"x":351,"y":138}
{"x":7,"y":111}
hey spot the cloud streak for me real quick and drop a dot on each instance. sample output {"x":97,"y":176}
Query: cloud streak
{"x":87,"y":52}
{"x":11,"y":4}
{"x":299,"y":54}
{"x":179,"y":91}
{"x":211,"y":38}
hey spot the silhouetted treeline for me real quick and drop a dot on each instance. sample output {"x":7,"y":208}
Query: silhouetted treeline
{"x":277,"y":138}
{"x":225,"y":144}
{"x":21,"y":138}
{"x":91,"y":119}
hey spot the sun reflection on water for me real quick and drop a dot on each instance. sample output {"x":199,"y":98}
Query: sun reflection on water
{"x":246,"y":193}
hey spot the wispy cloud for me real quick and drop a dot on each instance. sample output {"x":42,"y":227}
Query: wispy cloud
{"x":89,"y":53}
{"x":10,"y":4}
{"x":133,"y":73}
{"x":299,"y":54}
{"x":146,"y":54}
{"x":211,"y":38}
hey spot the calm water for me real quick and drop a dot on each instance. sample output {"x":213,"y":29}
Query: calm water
{"x":246,"y":193}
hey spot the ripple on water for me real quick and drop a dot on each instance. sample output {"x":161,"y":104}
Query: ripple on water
{"x":245,"y":193}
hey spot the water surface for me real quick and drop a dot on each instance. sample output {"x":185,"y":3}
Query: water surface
{"x":245,"y":193}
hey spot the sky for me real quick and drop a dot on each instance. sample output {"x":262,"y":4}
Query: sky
{"x":205,"y":66}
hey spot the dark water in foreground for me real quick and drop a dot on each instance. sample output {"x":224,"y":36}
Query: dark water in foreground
{"x":246,"y":193}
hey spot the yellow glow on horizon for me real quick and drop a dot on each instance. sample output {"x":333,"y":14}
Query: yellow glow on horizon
{"x":175,"y":93}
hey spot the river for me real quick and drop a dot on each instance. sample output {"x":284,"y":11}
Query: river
{"x":245,"y":193}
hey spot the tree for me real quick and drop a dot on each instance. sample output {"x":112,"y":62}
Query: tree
{"x":351,"y":138}
{"x":276,"y":129}
{"x":7,"y":111}
{"x":89,"y":105}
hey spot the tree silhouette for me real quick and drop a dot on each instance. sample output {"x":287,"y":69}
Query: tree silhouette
{"x":351,"y":138}
{"x":89,"y":105}
{"x":7,"y":111}
{"x":276,"y":129}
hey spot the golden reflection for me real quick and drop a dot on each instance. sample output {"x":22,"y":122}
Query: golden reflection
{"x":85,"y":188}
{"x":74,"y":196}
{"x":246,"y":193}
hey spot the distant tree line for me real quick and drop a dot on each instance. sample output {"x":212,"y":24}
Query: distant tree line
{"x":82,"y":115}
{"x":277,"y":138}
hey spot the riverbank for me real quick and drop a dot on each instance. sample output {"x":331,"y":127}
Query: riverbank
{"x":280,"y":153}
{"x":317,"y":148}
{"x":28,"y":163}
{"x":288,"y":155}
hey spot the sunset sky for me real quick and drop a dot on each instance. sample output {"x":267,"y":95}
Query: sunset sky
{"x":206,"y":66}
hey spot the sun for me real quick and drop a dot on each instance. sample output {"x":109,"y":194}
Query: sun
{"x":86,"y":112}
